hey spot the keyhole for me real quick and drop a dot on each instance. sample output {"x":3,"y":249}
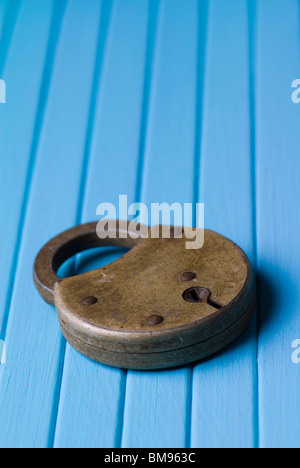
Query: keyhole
{"x":201,"y":294}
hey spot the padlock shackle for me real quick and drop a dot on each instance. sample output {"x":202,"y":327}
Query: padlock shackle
{"x":69,"y":243}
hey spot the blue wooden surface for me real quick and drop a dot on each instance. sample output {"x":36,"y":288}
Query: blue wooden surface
{"x":162,"y":100}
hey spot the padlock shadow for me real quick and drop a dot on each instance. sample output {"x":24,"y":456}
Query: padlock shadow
{"x":90,"y":260}
{"x":271,"y":297}
{"x":98,"y":257}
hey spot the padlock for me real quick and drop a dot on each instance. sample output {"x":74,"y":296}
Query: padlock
{"x":160,"y":305}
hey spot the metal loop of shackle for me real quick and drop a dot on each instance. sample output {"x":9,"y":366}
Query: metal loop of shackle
{"x":67,"y":244}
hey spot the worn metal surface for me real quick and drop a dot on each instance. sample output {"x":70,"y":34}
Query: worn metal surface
{"x":160,"y":305}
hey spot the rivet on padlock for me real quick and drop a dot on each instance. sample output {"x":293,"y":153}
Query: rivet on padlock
{"x":160,"y":305}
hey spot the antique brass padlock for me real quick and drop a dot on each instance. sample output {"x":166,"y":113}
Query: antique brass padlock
{"x":160,"y":305}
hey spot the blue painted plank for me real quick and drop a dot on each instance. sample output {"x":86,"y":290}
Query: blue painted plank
{"x":2,"y":11}
{"x":9,"y":13}
{"x":157,"y":406}
{"x":224,"y":387}
{"x":92,"y":395}
{"x":278,"y":195}
{"x":30,"y":381}
{"x":27,"y":47}
{"x":2,"y":21}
